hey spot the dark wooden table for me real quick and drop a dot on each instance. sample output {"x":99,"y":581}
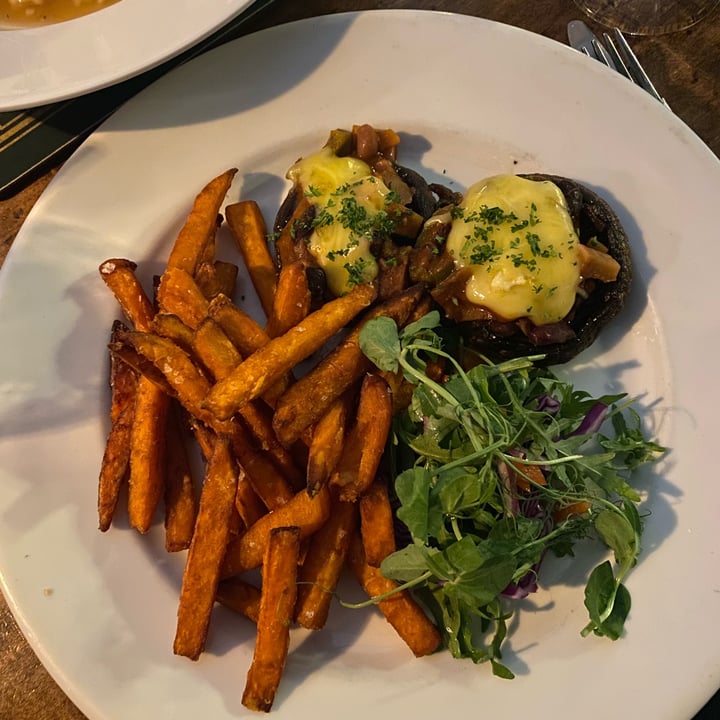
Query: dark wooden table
{"x":685,"y":67}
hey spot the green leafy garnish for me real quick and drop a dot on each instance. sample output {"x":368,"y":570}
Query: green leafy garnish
{"x":495,"y":466}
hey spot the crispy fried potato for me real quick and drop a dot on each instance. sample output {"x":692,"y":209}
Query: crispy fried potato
{"x":119,"y":276}
{"x":204,"y":436}
{"x":365,"y":443}
{"x":225,"y":279}
{"x":323,"y":565}
{"x":308,"y":399}
{"x":185,"y":379}
{"x":291,"y":303}
{"x":214,"y":349}
{"x":243,"y":331}
{"x":147,"y":433}
{"x":277,"y":601}
{"x":214,"y":278}
{"x":400,"y":610}
{"x":246,"y":551}
{"x":181,"y":504}
{"x":190,"y":385}
{"x":327,"y":443}
{"x":147,"y":454}
{"x":180,"y":295}
{"x":116,"y":458}
{"x":207,"y":549}
{"x":249,"y":506}
{"x":261,"y":369}
{"x":247,"y":336}
{"x":201,"y":224}
{"x":265,"y":477}
{"x":248,"y":228}
{"x":240,"y":596}
{"x":377,"y":527}
{"x":173,"y":328}
{"x":208,"y":254}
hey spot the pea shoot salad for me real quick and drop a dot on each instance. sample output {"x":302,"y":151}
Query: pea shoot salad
{"x":494,"y":467}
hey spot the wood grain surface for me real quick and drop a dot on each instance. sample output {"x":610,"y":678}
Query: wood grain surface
{"x":684,"y":66}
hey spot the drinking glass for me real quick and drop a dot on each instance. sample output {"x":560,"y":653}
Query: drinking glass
{"x":647,"y":17}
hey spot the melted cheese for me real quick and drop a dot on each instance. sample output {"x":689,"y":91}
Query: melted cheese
{"x":518,"y":238}
{"x":350,"y":205}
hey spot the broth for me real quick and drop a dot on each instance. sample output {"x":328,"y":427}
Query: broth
{"x":30,"y":13}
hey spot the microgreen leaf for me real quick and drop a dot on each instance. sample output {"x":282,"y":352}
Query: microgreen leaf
{"x":380,"y":342}
{"x":607,"y":601}
{"x":475,"y":529}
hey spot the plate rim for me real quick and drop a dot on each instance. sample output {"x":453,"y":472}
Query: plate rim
{"x":87,"y":81}
{"x":306,"y":20}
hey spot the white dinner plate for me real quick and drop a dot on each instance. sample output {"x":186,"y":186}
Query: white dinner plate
{"x":45,"y":64}
{"x":471,"y":98}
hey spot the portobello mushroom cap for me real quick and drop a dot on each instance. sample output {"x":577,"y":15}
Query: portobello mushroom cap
{"x":592,"y":218}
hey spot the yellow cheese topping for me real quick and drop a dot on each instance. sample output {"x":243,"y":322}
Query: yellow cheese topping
{"x":350,"y":207}
{"x":518,"y":237}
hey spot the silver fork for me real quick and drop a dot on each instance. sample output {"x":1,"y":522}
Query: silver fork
{"x":614,"y":52}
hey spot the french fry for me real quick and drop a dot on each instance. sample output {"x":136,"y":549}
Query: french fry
{"x":114,"y":468}
{"x":214,"y":278}
{"x":173,"y":328}
{"x":249,"y":231}
{"x":400,"y":609}
{"x":249,"y":506}
{"x":201,"y":575}
{"x":147,"y":454}
{"x":327,"y":443}
{"x":208,"y":254}
{"x":119,"y":275}
{"x":219,"y":355}
{"x":377,"y":528}
{"x":116,"y":458}
{"x":365,"y":443}
{"x":246,"y":551}
{"x":306,"y":401}
{"x":291,"y":302}
{"x":213,"y":348}
{"x":201,"y":223}
{"x":180,"y":295}
{"x":244,"y":332}
{"x":261,"y":369}
{"x":323,"y":565}
{"x":258,"y":422}
{"x":190,"y":386}
{"x":277,"y":601}
{"x":266,"y":479}
{"x":291,"y":482}
{"x":247,"y":336}
{"x":184,"y":378}
{"x":180,"y":500}
{"x":204,"y":436}
{"x":147,"y":434}
{"x":240,"y":596}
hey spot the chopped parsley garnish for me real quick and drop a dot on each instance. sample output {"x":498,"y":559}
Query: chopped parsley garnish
{"x":356,"y":271}
{"x":482,"y":254}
